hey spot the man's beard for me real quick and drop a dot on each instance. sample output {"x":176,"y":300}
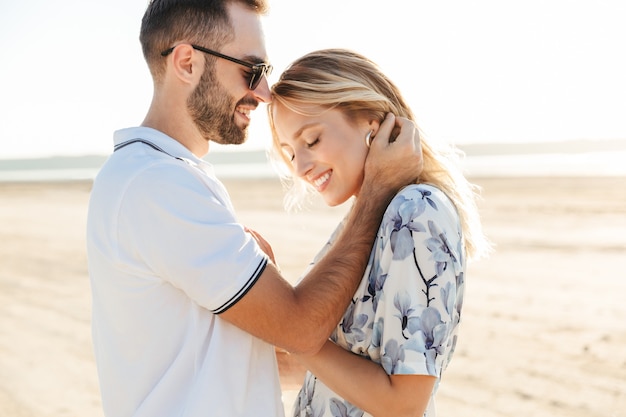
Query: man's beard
{"x":211,"y":110}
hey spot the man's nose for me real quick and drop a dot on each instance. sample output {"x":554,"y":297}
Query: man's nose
{"x":262,"y":91}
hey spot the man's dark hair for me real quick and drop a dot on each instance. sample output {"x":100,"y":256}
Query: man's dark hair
{"x":205,"y":22}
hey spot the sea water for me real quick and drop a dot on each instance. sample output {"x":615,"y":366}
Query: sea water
{"x":602,"y":164}
{"x":605,"y":163}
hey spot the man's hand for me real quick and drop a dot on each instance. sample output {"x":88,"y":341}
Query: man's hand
{"x":395,"y":156}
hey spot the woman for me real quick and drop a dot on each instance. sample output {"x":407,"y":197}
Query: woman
{"x":398,"y":335}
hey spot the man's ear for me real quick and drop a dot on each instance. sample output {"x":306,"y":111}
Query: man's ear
{"x":186,"y":65}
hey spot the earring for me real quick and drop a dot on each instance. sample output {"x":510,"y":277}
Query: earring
{"x":368,"y":138}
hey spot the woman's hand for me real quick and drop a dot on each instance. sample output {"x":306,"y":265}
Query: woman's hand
{"x":263,"y":244}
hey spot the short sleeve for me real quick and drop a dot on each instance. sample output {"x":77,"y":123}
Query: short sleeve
{"x":187,"y":235}
{"x":419,"y":264}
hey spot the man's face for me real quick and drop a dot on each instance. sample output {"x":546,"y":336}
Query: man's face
{"x":213,"y":110}
{"x":222,"y":101}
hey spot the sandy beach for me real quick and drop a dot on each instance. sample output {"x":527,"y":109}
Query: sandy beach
{"x":544,"y":321}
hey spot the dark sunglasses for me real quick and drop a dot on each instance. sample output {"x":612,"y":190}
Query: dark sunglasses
{"x":257,"y":71}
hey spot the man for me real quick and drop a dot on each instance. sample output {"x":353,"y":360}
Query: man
{"x":186,"y":304}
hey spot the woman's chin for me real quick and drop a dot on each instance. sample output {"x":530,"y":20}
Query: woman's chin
{"x":334,"y":202}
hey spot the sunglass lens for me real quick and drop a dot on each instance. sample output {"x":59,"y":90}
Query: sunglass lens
{"x":255,"y":80}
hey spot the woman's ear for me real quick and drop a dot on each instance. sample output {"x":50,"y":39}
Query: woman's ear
{"x":374,"y":125}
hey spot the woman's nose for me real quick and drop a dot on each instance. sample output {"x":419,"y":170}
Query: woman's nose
{"x":302,"y":163}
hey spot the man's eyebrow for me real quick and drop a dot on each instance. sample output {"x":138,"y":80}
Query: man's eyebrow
{"x":253,"y":59}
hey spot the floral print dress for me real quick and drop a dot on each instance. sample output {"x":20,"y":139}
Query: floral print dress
{"x":406,"y":311}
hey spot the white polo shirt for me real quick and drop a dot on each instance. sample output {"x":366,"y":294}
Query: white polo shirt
{"x":166,"y":256}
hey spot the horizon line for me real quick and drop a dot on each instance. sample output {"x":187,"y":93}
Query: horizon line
{"x":469,"y":149}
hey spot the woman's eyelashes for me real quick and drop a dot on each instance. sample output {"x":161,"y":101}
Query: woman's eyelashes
{"x":312,"y":144}
{"x":291,"y":155}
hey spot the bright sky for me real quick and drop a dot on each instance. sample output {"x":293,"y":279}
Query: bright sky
{"x":71,"y":71}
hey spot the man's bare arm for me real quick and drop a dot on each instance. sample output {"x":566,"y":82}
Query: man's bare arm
{"x":300,"y":319}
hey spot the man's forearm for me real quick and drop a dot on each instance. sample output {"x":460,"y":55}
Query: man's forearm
{"x":329,"y":286}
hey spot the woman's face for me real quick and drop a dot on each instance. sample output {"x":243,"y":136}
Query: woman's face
{"x":326,"y":150}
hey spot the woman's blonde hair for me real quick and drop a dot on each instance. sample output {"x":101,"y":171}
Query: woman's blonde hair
{"x":347,"y":81}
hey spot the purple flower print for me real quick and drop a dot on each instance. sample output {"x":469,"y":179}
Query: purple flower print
{"x":402,"y":302}
{"x":340,"y":408}
{"x":438,"y":245}
{"x":399,"y":222}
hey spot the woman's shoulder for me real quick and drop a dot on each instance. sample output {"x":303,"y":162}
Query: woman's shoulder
{"x":416,"y":200}
{"x":431,"y":194}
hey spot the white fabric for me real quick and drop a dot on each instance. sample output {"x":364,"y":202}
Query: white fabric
{"x":166,"y":256}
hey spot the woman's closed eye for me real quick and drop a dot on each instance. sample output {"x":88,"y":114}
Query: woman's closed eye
{"x":312,"y":144}
{"x":290,"y":155}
